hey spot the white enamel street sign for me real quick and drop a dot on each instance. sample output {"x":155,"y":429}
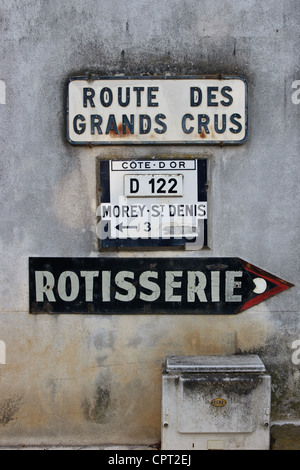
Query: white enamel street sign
{"x":118,"y":110}
{"x":152,"y":200}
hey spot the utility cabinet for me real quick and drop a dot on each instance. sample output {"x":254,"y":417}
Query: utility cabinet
{"x":215,"y":402}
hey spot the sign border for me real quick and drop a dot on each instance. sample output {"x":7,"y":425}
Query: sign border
{"x":93,"y":77}
{"x":103,"y":184}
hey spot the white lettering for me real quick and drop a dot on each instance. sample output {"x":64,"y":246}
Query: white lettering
{"x":151,"y":286}
{"x":196,"y":285}
{"x":215,"y":286}
{"x":89,"y":284}
{"x":62,"y":286}
{"x":119,"y":460}
{"x":171,"y":284}
{"x":231,"y":284}
{"x":41,"y":288}
{"x":106,"y":279}
{"x":125,"y":285}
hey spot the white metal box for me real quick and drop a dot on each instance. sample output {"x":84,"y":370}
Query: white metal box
{"x":215,"y":402}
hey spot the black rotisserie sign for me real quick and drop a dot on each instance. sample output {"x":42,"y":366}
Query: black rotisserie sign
{"x":148,"y":285}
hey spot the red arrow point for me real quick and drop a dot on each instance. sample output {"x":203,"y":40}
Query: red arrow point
{"x":261,"y":280}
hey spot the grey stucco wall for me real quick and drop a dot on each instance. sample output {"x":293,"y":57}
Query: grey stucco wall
{"x":96,"y":379}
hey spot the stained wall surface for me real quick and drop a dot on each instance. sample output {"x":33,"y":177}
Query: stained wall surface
{"x":96,"y":379}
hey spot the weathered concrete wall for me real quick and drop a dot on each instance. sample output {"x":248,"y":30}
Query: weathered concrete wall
{"x":97,"y":379}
